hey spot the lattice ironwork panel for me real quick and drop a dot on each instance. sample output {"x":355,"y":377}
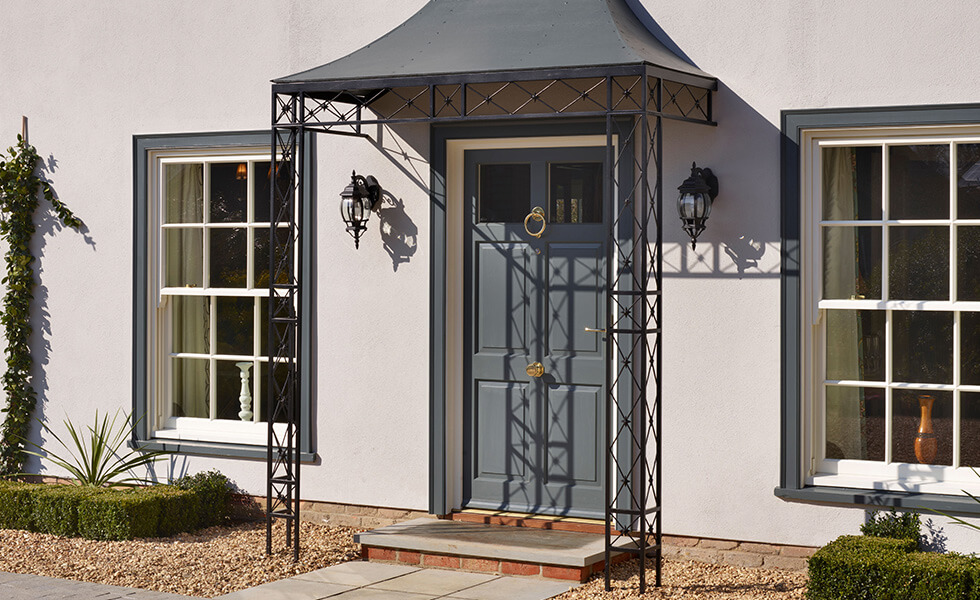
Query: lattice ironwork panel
{"x":283,"y":414}
{"x":683,"y":101}
{"x":633,"y":338}
{"x":344,"y":112}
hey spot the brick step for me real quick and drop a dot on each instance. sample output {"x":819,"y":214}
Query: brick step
{"x":488,"y":517}
{"x":489,"y":548}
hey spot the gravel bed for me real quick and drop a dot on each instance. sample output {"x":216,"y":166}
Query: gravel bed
{"x":220,"y":560}
{"x":696,"y":581}
{"x":207,"y":563}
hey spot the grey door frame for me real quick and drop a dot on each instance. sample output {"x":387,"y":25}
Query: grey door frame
{"x":443,"y":489}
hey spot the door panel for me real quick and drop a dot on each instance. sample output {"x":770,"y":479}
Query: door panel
{"x":534,"y":444}
{"x":502,"y":304}
{"x":501,"y":412}
{"x":573,"y":415}
{"x":574,"y":275}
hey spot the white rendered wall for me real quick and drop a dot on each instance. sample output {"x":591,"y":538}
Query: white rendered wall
{"x":90,"y":77}
{"x":722,"y":329}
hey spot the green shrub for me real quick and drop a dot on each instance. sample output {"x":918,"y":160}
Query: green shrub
{"x":180,"y":510}
{"x":902,"y":526}
{"x":98,"y":513}
{"x":880,"y":568}
{"x":55,"y":508}
{"x":16,"y":505}
{"x":123,"y":515}
{"x":214,"y":491}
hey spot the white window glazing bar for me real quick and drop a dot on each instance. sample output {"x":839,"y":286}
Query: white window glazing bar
{"x":888,"y":388}
{"x":212,"y":363}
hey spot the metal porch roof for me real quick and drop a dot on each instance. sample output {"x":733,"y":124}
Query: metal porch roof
{"x":448,"y":37}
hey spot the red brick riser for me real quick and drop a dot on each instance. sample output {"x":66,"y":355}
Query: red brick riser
{"x":484,"y":565}
{"x":728,"y":552}
{"x":531,"y":522}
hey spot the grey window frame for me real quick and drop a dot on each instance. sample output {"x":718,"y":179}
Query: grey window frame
{"x":143,"y":146}
{"x":792,"y":424}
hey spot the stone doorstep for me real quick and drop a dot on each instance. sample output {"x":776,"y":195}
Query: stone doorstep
{"x":479,"y":547}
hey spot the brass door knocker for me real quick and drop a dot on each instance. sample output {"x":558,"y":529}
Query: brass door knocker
{"x":537,"y":214}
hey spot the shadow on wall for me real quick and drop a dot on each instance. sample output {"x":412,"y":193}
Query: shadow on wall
{"x":399,"y":233}
{"x":403,"y":149}
{"x":742,"y":237}
{"x":47,"y":225}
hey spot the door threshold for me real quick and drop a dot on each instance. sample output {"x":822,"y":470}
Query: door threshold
{"x":535,"y":521}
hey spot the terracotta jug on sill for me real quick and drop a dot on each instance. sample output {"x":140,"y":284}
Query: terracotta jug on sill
{"x":925,"y":440}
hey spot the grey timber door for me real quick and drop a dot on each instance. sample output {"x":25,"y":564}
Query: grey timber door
{"x":534,"y":443}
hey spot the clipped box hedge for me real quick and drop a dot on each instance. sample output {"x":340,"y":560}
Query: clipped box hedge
{"x":874,"y":568}
{"x":99,"y":513}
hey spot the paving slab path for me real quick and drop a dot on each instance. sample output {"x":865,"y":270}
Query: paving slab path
{"x":347,"y":581}
{"x":17,"y":586}
{"x":375,"y":581}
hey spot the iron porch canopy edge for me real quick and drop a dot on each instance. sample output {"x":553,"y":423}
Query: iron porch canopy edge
{"x":354,"y":85}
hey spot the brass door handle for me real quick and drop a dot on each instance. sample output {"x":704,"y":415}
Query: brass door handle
{"x":537,"y":213}
{"x":590,"y":330}
{"x":535,"y":369}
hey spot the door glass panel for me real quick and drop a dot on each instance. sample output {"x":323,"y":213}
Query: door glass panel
{"x":851,"y":183}
{"x":919,"y":268}
{"x":918,"y":179}
{"x":968,"y":181}
{"x":851,"y":263}
{"x":504,"y":193}
{"x":575,"y":192}
{"x":855,"y":423}
{"x":922,"y":428}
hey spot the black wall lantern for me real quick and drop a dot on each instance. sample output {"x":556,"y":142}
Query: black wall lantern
{"x":694,"y":203}
{"x":356,"y":203}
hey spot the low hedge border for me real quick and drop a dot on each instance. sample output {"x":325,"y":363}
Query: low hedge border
{"x":875,"y":568}
{"x":101,"y":513}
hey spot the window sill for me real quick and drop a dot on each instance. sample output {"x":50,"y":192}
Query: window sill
{"x":957,"y":505}
{"x":214,"y":449}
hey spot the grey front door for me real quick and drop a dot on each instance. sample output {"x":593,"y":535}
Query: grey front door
{"x":535,"y":444}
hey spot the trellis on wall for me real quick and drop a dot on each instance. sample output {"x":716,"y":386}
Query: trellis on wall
{"x":633,"y":100}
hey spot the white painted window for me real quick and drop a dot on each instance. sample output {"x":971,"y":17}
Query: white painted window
{"x":208,"y":339}
{"x":891,"y":315}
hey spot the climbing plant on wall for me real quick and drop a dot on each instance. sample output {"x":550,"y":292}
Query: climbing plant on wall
{"x":20,"y":189}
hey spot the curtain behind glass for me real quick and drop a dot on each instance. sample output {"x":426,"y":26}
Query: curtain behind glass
{"x":184,"y":248}
{"x":840,"y":200}
{"x":184,"y":266}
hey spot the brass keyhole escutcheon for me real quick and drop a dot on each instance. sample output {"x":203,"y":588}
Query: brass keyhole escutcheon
{"x":535,"y":369}
{"x":536,"y":214}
